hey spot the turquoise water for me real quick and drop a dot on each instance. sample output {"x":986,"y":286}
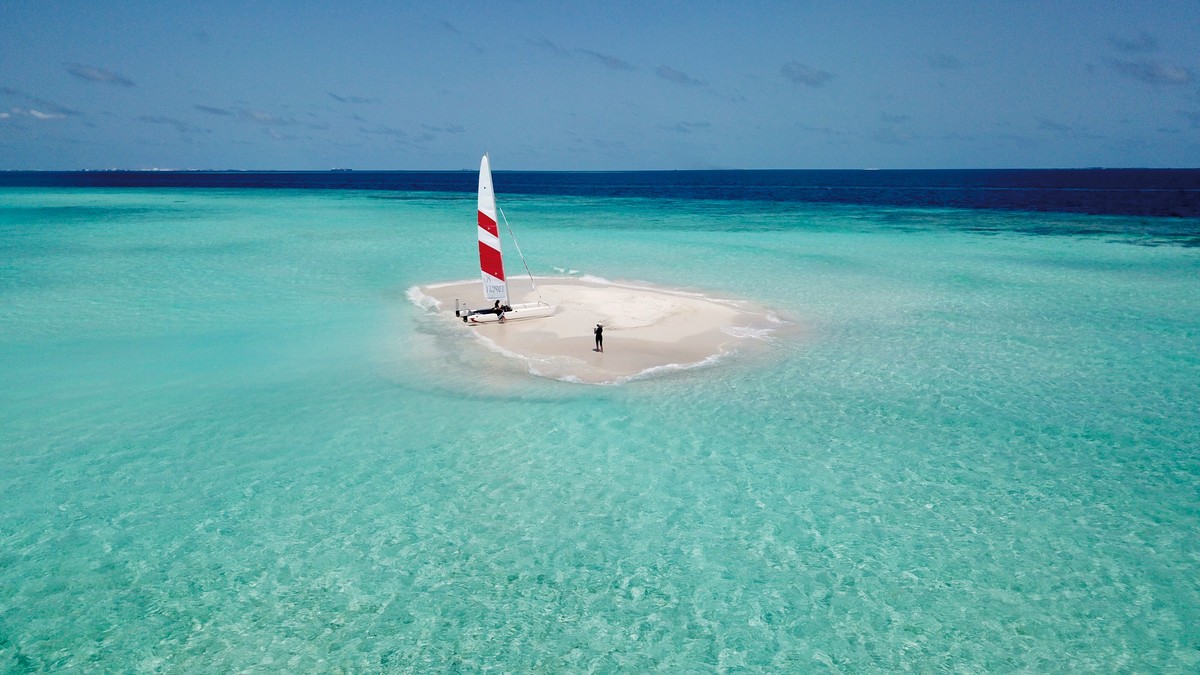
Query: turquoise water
{"x":229,"y":441}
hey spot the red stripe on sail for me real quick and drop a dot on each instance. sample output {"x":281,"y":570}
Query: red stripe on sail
{"x":489,"y":259}
{"x":488,"y":224}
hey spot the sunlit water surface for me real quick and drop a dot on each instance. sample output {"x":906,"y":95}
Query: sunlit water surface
{"x":228,"y":441}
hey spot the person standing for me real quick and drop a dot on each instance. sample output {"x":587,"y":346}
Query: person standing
{"x":599,"y":338}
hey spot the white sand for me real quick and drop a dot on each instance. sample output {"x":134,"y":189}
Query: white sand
{"x":646,"y":329}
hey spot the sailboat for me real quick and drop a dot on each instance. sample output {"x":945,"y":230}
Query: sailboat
{"x":491,"y":263}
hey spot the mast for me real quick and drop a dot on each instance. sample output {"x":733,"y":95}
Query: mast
{"x":491,"y":263}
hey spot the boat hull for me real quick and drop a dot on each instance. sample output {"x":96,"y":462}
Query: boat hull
{"x":533,"y":310}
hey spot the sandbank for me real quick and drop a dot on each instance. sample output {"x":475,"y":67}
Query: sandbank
{"x":646,"y":329}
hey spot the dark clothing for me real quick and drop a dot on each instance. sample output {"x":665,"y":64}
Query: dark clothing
{"x":599,"y":337}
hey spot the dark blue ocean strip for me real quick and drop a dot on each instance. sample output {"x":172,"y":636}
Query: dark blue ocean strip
{"x":1173,"y":193}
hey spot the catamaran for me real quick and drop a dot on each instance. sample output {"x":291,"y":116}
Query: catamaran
{"x":491,"y":263}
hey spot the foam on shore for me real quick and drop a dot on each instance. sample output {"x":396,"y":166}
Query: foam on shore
{"x":647,"y":330}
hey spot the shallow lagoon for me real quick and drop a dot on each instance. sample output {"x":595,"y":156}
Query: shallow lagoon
{"x":226,"y":440}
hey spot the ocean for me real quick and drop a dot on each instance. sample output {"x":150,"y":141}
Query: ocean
{"x":229,"y":441}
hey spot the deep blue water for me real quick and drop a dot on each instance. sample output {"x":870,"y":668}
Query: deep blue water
{"x":1172,"y":193}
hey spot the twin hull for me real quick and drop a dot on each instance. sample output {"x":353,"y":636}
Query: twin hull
{"x":532,"y":310}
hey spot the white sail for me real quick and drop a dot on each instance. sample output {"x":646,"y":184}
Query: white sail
{"x":491,"y":262}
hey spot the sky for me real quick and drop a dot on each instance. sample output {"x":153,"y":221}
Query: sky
{"x":549,"y":85}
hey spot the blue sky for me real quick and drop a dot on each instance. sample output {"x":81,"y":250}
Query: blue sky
{"x":598,"y":86}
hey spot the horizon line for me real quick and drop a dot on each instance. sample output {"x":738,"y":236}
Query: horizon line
{"x":474,"y":169}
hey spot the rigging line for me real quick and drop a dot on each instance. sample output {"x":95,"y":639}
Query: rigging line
{"x":514,"y":238}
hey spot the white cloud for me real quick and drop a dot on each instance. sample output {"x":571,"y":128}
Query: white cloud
{"x":248,"y":115}
{"x":32,"y":112}
{"x":669,"y":73}
{"x":352,"y":99}
{"x":1142,"y":44}
{"x":213,"y":111}
{"x":1152,"y":72}
{"x":607,"y":60}
{"x":444,"y":128}
{"x":48,"y":109}
{"x":688,"y":127}
{"x":180,"y":126}
{"x":798,"y":73}
{"x":94,"y":74}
